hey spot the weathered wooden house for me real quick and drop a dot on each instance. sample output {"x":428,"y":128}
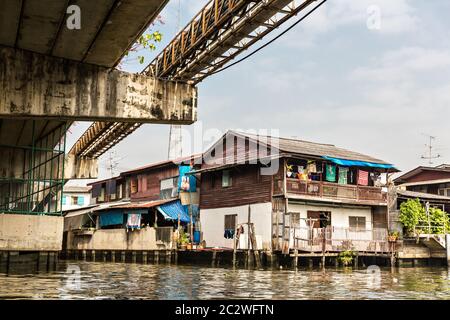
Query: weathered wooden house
{"x":137,"y":210}
{"x":432,"y":184}
{"x":297,"y":194}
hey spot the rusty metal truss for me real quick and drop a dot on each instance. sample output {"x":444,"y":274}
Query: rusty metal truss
{"x":216,"y":35}
{"x":101,"y":136}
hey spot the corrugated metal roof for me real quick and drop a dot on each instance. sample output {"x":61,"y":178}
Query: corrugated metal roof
{"x":80,"y":189}
{"x":143,"y":205}
{"x":421,"y":195}
{"x":177,"y":161}
{"x":415,"y":171}
{"x":303,"y":147}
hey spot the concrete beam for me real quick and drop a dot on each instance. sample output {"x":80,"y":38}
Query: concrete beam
{"x":34,"y":85}
{"x":80,"y":168}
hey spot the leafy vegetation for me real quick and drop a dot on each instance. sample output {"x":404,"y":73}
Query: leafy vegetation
{"x":415,"y":220}
{"x":410,"y":213}
{"x":146,"y":41}
{"x":346,"y":257}
{"x":184,"y":238}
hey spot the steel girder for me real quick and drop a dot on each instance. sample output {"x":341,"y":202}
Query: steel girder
{"x":216,"y":35}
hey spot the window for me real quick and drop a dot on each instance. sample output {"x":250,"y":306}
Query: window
{"x":357,"y":223}
{"x":74,"y":199}
{"x":226,"y":179}
{"x":444,"y":192}
{"x":101,"y":197}
{"x":120,"y":191}
{"x":230,"y":221}
{"x":168,"y":188}
{"x":134,"y":186}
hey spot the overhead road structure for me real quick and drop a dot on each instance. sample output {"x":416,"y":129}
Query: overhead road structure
{"x":52,"y":75}
{"x":221,"y":31}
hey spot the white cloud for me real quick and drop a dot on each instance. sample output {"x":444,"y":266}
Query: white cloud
{"x":403,"y":64}
{"x":396,"y":17}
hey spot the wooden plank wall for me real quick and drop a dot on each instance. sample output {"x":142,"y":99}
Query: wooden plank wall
{"x":149,"y":182}
{"x":248,"y":187}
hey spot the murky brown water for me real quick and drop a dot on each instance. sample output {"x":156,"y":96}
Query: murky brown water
{"x":136,"y":281}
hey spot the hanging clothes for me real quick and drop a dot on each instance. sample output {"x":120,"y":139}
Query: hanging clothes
{"x":363,"y":178}
{"x":229,"y":234}
{"x":134,"y":221}
{"x":330,"y":173}
{"x":343,"y":175}
{"x":186,"y":182}
{"x":311,"y":167}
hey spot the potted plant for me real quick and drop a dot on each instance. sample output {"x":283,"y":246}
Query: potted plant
{"x":346,"y":257}
{"x":393,"y":236}
{"x":183,"y":240}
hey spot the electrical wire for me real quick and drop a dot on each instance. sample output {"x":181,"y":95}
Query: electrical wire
{"x":271,"y":41}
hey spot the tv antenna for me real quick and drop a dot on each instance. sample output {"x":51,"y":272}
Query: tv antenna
{"x":430,"y":156}
{"x":113,"y":163}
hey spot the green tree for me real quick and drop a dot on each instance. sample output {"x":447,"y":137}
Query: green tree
{"x":439,"y":221}
{"x":411,"y":212}
{"x":414,"y":218}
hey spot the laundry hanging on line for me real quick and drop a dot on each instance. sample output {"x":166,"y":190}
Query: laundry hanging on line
{"x":134,"y":221}
{"x":363,"y":178}
{"x":331,"y":173}
{"x":343,"y":175}
{"x":229,"y":233}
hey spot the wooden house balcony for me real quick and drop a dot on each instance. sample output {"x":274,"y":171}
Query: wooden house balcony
{"x":334,"y":192}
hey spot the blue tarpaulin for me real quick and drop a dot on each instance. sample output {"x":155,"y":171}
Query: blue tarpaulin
{"x":171,"y":210}
{"x":111,"y":218}
{"x":355,"y":163}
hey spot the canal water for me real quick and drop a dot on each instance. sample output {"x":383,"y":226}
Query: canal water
{"x":99,"y":280}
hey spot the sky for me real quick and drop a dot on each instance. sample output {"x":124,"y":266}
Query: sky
{"x":370,"y":76}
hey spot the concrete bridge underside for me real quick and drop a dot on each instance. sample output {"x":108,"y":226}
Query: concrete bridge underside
{"x":51,"y":76}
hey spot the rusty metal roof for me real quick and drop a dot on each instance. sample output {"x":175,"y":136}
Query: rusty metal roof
{"x":155,"y":165}
{"x":143,"y":205}
{"x":421,"y":195}
{"x":303,"y":147}
{"x":403,"y":178}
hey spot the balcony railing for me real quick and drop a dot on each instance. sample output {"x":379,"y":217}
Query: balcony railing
{"x":335,"y":239}
{"x":335,"y":191}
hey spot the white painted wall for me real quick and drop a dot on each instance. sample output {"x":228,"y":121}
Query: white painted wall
{"x":339,"y":219}
{"x":339,"y":216}
{"x":69,"y":205}
{"x":213,"y":224}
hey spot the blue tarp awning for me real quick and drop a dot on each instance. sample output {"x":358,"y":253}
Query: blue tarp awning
{"x":171,"y":210}
{"x":355,"y":163}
